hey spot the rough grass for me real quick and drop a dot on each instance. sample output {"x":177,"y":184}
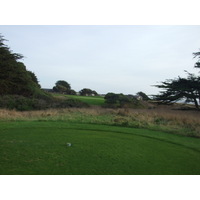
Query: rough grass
{"x":31,"y":147}
{"x":173,"y":121}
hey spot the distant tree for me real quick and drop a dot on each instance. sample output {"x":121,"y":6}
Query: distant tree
{"x":111,"y":98}
{"x":88,"y":92}
{"x":62,"y":87}
{"x":72,"y":92}
{"x":94,"y":93}
{"x":143,"y":95}
{"x":123,"y":99}
{"x":116,"y":99}
{"x":64,"y":84}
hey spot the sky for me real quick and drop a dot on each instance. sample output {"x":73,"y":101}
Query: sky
{"x":105,"y":58}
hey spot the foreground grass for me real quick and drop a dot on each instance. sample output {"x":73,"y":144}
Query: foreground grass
{"x":32,"y":147}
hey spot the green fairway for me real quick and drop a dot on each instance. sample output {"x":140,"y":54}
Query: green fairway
{"x":41,"y":148}
{"x":96,"y":100}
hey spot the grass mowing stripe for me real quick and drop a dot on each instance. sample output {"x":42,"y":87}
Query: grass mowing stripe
{"x":109,"y":131}
{"x":40,"y":148}
{"x":88,"y":99}
{"x":167,"y":137}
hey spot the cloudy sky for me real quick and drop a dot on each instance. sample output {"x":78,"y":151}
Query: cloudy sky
{"x":121,"y":59}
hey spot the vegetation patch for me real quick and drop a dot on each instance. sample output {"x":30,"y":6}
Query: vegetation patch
{"x":22,"y":103}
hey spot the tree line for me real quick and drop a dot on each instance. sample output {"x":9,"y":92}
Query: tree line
{"x":64,"y":87}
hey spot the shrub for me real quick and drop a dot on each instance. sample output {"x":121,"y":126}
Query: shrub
{"x":22,"y":103}
{"x":66,"y":103}
{"x":16,"y":102}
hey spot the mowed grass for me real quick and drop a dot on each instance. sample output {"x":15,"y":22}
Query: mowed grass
{"x":32,"y":147}
{"x":91,"y":100}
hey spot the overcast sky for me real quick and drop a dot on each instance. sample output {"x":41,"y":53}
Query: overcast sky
{"x":121,"y":59}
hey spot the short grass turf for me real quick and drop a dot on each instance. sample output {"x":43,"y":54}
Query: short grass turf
{"x":96,"y":100}
{"x":40,"y":148}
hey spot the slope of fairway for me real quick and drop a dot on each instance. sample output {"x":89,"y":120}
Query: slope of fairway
{"x":41,"y":148}
{"x":96,"y":100}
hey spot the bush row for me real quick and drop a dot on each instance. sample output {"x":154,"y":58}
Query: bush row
{"x":22,"y":103}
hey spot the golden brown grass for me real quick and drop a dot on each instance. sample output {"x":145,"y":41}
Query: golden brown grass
{"x":160,"y":118}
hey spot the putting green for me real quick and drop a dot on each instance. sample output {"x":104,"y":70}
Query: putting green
{"x":42,"y":148}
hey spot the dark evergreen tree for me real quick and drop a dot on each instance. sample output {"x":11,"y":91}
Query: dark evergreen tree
{"x":197,"y":64}
{"x":62,"y":87}
{"x":14,"y":78}
{"x":88,"y":92}
{"x":144,"y":96}
{"x":187,"y":89}
{"x":117,"y":100}
{"x":111,"y":98}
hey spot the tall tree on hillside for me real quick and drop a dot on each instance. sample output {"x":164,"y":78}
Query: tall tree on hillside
{"x":14,"y":78}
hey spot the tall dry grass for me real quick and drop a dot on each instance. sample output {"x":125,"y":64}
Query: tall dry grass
{"x":176,"y":121}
